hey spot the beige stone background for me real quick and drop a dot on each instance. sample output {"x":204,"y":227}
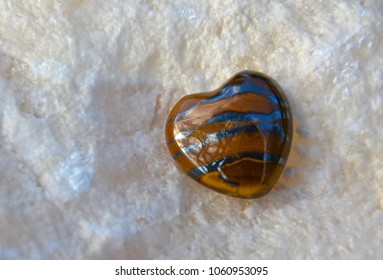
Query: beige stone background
{"x":86,"y":86}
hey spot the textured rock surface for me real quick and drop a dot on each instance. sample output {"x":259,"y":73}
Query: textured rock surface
{"x":85,"y":88}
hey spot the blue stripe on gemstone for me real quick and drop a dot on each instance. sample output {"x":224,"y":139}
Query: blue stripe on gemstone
{"x":231,"y":133}
{"x":227,"y":180}
{"x":224,"y":133}
{"x":250,"y":116}
{"x":214,"y":166}
{"x":266,"y":125}
{"x":248,"y":86}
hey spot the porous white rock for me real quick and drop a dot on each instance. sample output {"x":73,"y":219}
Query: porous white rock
{"x":85,"y":89}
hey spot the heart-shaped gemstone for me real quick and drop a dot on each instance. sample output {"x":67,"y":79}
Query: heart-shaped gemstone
{"x":236,"y":139}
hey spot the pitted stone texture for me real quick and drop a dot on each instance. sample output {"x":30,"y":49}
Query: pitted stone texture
{"x":85,"y":88}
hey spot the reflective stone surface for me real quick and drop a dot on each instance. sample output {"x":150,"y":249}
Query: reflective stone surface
{"x":234,"y":140}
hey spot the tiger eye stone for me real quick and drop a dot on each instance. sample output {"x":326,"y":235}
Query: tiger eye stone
{"x":236,"y":139}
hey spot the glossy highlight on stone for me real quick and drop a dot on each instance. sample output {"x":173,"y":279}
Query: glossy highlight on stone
{"x":236,"y":139}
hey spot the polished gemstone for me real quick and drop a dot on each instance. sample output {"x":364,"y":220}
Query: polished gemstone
{"x":236,"y":139}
